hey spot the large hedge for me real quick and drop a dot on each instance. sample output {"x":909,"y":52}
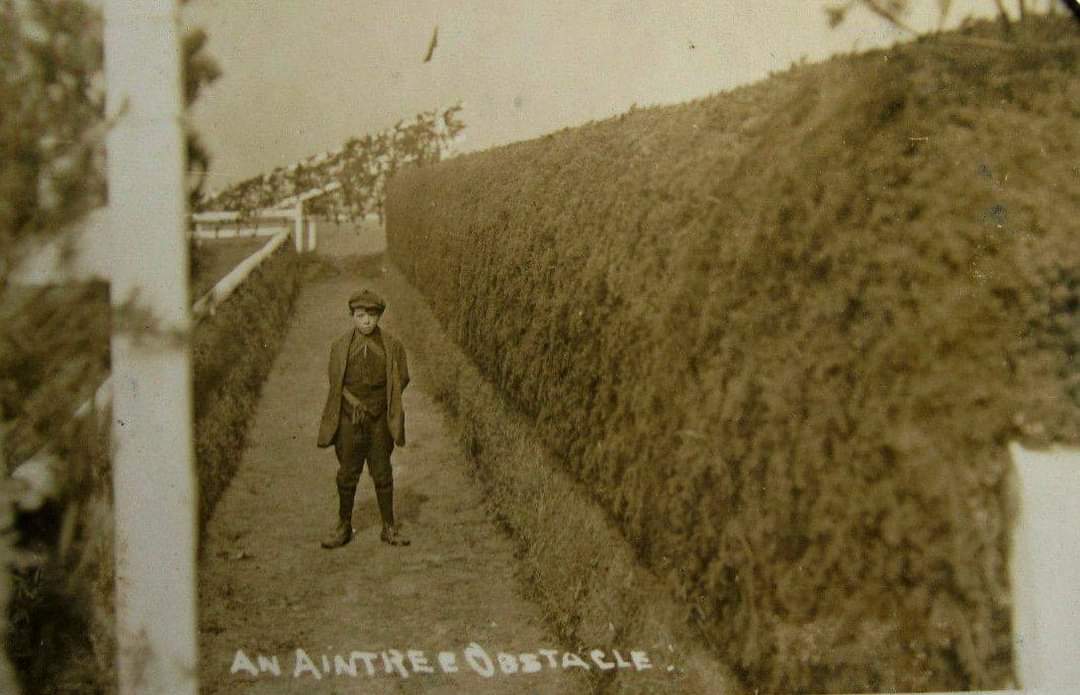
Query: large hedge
{"x":784,"y":335}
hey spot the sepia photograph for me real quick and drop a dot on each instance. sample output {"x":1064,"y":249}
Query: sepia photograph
{"x":543,"y":347}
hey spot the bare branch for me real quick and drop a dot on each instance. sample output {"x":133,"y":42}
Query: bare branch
{"x":891,"y":13}
{"x":1003,"y":15}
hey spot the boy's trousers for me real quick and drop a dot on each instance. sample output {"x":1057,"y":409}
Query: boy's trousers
{"x":367,"y":440}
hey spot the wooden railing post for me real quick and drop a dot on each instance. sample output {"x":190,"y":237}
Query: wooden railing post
{"x":298,"y":226}
{"x":153,"y":474}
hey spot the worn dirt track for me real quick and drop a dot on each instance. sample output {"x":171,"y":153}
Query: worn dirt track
{"x":267,"y":588}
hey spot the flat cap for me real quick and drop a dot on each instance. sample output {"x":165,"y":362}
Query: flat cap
{"x":367,"y":299}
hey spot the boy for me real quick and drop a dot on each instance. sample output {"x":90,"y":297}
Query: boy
{"x":363,"y":417}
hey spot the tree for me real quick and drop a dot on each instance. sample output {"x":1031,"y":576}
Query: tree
{"x":362,"y":167}
{"x":52,"y":126}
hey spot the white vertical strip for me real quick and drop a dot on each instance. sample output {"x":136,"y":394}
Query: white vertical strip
{"x":153,"y":475}
{"x":312,"y":234}
{"x":1045,"y":568}
{"x":298,"y":226}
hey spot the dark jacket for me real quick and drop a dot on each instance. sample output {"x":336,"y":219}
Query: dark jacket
{"x":397,"y":378}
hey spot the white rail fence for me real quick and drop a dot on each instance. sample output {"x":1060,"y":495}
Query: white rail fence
{"x":86,"y":250}
{"x":208,"y":303}
{"x":288,"y":214}
{"x":40,"y":467}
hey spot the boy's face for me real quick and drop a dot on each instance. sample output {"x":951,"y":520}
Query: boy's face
{"x":365,"y":319}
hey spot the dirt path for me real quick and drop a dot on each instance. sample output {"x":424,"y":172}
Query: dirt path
{"x":268,"y":589}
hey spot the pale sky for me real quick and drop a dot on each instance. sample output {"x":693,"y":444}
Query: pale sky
{"x":302,"y":76}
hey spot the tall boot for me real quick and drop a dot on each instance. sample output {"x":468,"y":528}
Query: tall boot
{"x":343,"y":532}
{"x":390,"y":533}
